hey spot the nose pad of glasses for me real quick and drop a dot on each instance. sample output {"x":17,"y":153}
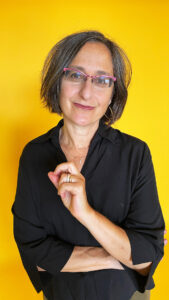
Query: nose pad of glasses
{"x":88,"y":77}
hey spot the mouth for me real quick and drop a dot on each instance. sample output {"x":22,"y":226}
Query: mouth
{"x":85,"y":107}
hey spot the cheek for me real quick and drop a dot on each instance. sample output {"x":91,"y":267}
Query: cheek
{"x":104,"y":99}
{"x":67,"y":91}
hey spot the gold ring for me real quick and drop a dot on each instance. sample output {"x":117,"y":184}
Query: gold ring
{"x":68,"y":179}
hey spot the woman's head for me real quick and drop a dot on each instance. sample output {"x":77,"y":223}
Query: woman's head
{"x":67,"y":51}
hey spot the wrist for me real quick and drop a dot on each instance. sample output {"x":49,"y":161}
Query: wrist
{"x":88,"y":216}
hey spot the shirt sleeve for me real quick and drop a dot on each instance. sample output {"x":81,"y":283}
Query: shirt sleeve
{"x":35,"y":246}
{"x":144,"y":224}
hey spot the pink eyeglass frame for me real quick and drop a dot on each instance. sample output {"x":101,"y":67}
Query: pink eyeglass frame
{"x":91,"y":76}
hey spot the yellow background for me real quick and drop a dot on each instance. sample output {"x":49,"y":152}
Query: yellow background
{"x":28,"y":31}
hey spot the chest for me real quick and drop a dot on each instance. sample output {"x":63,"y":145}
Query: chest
{"x":78,"y":158}
{"x":108,"y":184}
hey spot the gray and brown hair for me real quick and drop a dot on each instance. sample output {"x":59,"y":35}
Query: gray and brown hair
{"x":61,"y":56}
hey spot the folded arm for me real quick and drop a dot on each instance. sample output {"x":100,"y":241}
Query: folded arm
{"x":138,"y":242}
{"x":84,"y":259}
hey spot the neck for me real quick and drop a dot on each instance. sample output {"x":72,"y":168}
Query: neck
{"x":75,"y":136}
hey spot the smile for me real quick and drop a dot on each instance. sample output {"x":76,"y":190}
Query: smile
{"x":85,"y":107}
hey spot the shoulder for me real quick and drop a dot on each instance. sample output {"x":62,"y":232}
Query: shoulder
{"x":123,"y":139}
{"x":44,"y":137}
{"x":130,"y":147}
{"x":133,"y":142}
{"x":137,"y":149}
{"x":129,"y":140}
{"x":34,"y":146}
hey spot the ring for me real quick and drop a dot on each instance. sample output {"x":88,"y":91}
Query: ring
{"x":68,"y":179}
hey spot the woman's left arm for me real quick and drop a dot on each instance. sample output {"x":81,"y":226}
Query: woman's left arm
{"x":139,"y":241}
{"x":113,"y":239}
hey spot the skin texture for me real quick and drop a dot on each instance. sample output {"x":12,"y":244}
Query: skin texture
{"x":92,"y":58}
{"x":79,"y":127}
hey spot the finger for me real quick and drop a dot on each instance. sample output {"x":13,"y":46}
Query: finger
{"x":165,"y":231}
{"x":67,"y":167}
{"x":66,"y":197}
{"x":72,"y":187}
{"x":165,"y":242}
{"x":68,"y":178}
{"x":63,"y":178}
{"x":54,"y":178}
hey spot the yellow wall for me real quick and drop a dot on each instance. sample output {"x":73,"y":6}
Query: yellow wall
{"x":28,"y":30}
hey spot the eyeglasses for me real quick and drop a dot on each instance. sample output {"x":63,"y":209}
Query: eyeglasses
{"x":78,"y":77}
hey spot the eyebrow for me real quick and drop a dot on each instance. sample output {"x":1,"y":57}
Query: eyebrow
{"x":99,"y":72}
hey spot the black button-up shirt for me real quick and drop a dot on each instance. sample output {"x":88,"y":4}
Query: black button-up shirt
{"x":120,"y":184}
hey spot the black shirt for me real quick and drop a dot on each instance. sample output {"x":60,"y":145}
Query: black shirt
{"x":120,"y":184}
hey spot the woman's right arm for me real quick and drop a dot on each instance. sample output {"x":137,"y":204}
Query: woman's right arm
{"x":84,"y":259}
{"x":35,"y":246}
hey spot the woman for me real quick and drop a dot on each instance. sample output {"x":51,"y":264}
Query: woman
{"x":87,"y":219}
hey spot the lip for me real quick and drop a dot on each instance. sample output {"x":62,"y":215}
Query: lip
{"x":85,"y":107}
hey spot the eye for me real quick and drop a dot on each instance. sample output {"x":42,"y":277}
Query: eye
{"x":103,"y":81}
{"x":73,"y":75}
{"x":76,"y":75}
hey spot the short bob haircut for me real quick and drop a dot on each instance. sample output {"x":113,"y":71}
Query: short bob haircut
{"x":61,"y":56}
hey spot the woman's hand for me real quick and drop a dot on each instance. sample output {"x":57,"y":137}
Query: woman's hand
{"x":70,"y":184}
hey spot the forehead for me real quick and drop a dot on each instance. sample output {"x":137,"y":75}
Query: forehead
{"x":93,"y":56}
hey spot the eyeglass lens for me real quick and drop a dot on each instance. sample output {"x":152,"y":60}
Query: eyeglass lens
{"x":79,"y":77}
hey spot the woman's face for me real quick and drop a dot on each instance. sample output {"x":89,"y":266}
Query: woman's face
{"x":84,"y":104}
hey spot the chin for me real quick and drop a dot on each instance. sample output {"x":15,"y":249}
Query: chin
{"x":83,"y":121}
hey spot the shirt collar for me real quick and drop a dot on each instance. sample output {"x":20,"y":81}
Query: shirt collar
{"x":108,"y":132}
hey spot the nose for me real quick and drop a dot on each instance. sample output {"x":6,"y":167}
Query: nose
{"x":86,"y":89}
